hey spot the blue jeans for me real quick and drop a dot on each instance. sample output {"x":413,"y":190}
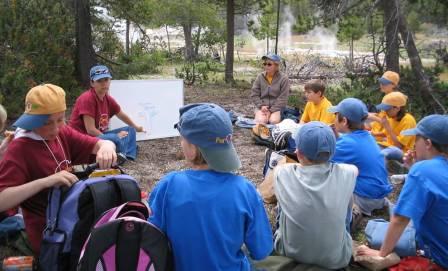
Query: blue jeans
{"x":392,"y":153}
{"x":376,"y":230}
{"x":126,"y":145}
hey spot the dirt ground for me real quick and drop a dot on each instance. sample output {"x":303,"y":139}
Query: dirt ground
{"x":159,"y":156}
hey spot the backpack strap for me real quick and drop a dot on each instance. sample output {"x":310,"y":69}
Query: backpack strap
{"x":118,"y":191}
{"x":100,"y":202}
{"x":129,"y":191}
{"x":114,"y":246}
{"x":54,"y":198}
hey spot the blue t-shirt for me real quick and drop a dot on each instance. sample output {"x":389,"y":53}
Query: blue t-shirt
{"x":208,"y":216}
{"x":359,"y":148}
{"x":424,"y":199}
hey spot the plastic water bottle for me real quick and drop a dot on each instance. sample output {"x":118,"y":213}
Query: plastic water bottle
{"x":20,"y":263}
{"x":398,"y":178}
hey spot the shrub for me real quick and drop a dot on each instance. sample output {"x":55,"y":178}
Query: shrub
{"x":198,"y":71}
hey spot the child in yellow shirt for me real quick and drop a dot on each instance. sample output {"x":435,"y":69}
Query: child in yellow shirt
{"x":395,"y":121}
{"x":316,"y":108}
{"x":388,"y":83}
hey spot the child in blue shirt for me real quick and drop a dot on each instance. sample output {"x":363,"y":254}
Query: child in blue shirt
{"x":359,"y":148}
{"x":208,"y":212}
{"x":424,"y":197}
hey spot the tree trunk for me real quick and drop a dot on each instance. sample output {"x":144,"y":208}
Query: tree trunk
{"x":197,"y":42}
{"x":351,"y":55}
{"x":267,"y":44}
{"x":85,"y":54}
{"x":277,"y":27}
{"x":417,"y":67}
{"x":189,"y":51}
{"x":168,"y":37}
{"x":128,"y":25}
{"x":230,"y":41}
{"x":390,"y":8}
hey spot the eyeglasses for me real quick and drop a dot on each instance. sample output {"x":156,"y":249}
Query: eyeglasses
{"x":268,"y":64}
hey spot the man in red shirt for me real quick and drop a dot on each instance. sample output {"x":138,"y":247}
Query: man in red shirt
{"x":94,"y":108}
{"x":41,"y":155}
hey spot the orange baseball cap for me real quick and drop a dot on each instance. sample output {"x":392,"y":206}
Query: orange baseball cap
{"x":392,"y":99}
{"x":389,"y":77}
{"x":40,"y":102}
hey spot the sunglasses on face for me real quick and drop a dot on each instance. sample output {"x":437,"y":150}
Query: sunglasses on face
{"x":102,"y":71}
{"x":267,"y":64}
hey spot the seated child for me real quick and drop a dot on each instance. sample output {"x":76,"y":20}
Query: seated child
{"x":388,"y":83}
{"x":424,"y":197}
{"x":313,"y":200}
{"x":358,"y":147}
{"x":41,"y":156}
{"x":94,"y":109}
{"x":316,"y":108}
{"x":208,"y":212}
{"x":397,"y":120}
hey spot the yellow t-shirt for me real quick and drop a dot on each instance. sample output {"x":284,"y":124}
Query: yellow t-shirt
{"x":318,"y":112}
{"x":407,"y":122}
{"x":269,"y":79}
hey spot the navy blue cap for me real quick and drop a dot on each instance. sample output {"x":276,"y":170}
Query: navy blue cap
{"x":434,"y":127}
{"x":316,"y":141}
{"x":351,"y":108}
{"x":273,"y":57}
{"x":208,"y":126}
{"x":98,"y":72}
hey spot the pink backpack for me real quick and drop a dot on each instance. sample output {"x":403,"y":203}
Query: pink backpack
{"x":123,"y":239}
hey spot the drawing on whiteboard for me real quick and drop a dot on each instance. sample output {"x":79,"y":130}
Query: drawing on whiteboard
{"x":146,"y":116}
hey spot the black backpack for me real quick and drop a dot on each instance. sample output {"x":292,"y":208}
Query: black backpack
{"x":123,"y":240}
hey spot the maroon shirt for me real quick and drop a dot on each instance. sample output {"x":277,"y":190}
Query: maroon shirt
{"x":101,"y":111}
{"x":27,"y":160}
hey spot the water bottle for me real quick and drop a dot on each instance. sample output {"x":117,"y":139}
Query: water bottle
{"x":398,"y":178}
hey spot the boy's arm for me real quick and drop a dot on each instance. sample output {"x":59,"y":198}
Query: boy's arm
{"x":126,"y":119}
{"x":258,"y":235}
{"x":89,"y":123}
{"x":106,"y":156}
{"x":391,"y":133}
{"x":306,"y":115}
{"x":15,"y":195}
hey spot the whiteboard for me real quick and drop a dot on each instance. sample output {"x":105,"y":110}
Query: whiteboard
{"x":153,"y":104}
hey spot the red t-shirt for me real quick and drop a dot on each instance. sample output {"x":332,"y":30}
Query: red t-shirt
{"x":89,"y":104}
{"x":27,"y":160}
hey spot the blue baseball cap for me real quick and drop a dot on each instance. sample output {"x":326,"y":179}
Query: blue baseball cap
{"x":316,"y":141}
{"x":351,"y":108}
{"x":209,"y":127}
{"x":98,"y":72}
{"x":434,"y":127}
{"x":273,"y":57}
{"x":384,"y":81}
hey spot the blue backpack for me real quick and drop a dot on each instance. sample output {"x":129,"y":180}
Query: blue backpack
{"x":72,"y":212}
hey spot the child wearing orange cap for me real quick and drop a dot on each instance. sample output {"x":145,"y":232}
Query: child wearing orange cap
{"x":40,"y":157}
{"x":388,"y":83}
{"x":395,"y":121}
